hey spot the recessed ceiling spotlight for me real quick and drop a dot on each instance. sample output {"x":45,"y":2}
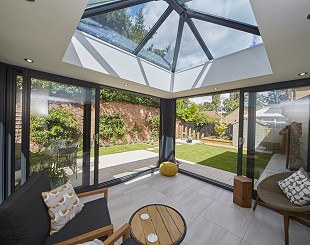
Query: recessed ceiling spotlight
{"x":302,"y":74}
{"x":171,"y":96}
{"x":28,"y":60}
{"x":308,"y":17}
{"x":126,"y":84}
{"x":216,"y":88}
{"x":30,"y":0}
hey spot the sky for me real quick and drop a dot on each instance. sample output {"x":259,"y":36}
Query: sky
{"x":200,"y":100}
{"x":220,"y":40}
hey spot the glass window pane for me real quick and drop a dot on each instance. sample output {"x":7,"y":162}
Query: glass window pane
{"x":191,"y":53}
{"x":282,"y":128}
{"x":160,"y":48}
{"x":56,"y":132}
{"x":93,"y":3}
{"x":18,"y":131}
{"x":124,"y":28}
{"x":239,"y":10}
{"x":222,"y":40}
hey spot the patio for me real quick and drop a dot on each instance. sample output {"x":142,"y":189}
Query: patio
{"x":209,"y":211}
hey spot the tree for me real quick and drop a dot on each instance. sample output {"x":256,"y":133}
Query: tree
{"x":118,"y":21}
{"x":138,"y":30}
{"x":274,"y":97}
{"x":181,"y":104}
{"x":231,"y":103}
{"x":214,"y":105}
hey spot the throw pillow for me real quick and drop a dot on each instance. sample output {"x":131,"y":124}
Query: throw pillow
{"x":297,"y":187}
{"x":63,"y":204}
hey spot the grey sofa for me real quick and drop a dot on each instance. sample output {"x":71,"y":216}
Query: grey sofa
{"x":24,"y":218}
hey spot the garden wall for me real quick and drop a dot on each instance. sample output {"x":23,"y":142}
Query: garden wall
{"x":133,"y":113}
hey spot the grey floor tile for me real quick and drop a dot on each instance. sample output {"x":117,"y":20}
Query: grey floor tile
{"x":207,"y":189}
{"x":233,"y":219}
{"x":269,"y":216}
{"x":202,"y":205}
{"x":261,"y":233}
{"x":188,"y":198}
{"x":169,"y":190}
{"x":147,"y":197}
{"x":202,"y":231}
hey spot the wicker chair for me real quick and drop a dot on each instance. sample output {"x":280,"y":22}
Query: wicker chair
{"x":270,"y":195}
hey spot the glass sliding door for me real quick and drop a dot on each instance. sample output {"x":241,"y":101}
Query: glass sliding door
{"x":280,"y":125}
{"x":207,"y":136}
{"x":60,"y":132}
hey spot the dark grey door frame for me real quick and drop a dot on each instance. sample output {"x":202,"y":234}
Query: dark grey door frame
{"x":2,"y":127}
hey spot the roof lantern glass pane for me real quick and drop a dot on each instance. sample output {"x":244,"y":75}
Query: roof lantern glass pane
{"x":239,"y":10}
{"x":124,"y":28}
{"x":160,"y":48}
{"x":222,"y":40}
{"x":191,"y":53}
{"x":93,"y":3}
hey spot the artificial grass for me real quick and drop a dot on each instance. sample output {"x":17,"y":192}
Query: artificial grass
{"x":220,"y":157}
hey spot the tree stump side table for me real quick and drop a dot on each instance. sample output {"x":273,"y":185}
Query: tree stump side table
{"x":242,"y":191}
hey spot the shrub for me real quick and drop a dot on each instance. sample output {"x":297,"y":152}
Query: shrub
{"x":154,"y":123}
{"x":111,"y":125}
{"x":58,"y":125}
{"x":220,"y":128}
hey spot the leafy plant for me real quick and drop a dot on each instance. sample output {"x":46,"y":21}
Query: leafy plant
{"x":220,"y":128}
{"x":113,"y":95}
{"x":135,"y":130}
{"x":154,"y":122}
{"x":111,"y":125}
{"x":58,"y":125}
{"x":41,"y":161}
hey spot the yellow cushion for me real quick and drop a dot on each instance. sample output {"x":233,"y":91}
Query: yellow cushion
{"x":168,"y":168}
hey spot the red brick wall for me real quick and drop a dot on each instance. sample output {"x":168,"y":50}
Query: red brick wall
{"x":132,"y":113}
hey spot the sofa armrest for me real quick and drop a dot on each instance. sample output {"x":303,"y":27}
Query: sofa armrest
{"x":95,"y":192}
{"x":89,"y":236}
{"x":124,"y":232}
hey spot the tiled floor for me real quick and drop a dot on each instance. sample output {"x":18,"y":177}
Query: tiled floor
{"x":210,"y":214}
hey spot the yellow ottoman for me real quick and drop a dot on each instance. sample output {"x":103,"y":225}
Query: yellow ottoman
{"x":168,"y":169}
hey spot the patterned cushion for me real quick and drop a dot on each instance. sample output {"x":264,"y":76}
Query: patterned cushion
{"x":297,"y":187}
{"x":63,"y":204}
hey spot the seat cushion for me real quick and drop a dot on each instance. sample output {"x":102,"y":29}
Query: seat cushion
{"x":24,"y":217}
{"x":130,"y":241}
{"x":94,"y":215}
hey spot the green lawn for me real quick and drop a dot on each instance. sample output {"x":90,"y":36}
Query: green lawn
{"x":212,"y":156}
{"x":122,"y":148}
{"x":219,"y":157}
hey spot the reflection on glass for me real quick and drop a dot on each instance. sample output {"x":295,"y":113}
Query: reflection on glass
{"x":282,"y":127}
{"x":160,"y":48}
{"x":222,"y":40}
{"x":93,"y":3}
{"x":18,"y":131}
{"x":191,"y":53}
{"x":124,"y":28}
{"x":56,"y":131}
{"x":239,"y":10}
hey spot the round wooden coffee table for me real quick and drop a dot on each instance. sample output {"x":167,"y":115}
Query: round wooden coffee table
{"x":157,"y":224}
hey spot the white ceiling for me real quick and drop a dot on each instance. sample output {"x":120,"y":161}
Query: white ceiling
{"x":42,"y":31}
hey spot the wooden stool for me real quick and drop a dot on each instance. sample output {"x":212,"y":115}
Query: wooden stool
{"x":242,"y":191}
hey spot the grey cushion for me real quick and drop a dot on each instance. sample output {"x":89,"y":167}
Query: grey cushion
{"x":130,"y":241}
{"x":23,"y":215}
{"x":94,"y":215}
{"x":297,"y":187}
